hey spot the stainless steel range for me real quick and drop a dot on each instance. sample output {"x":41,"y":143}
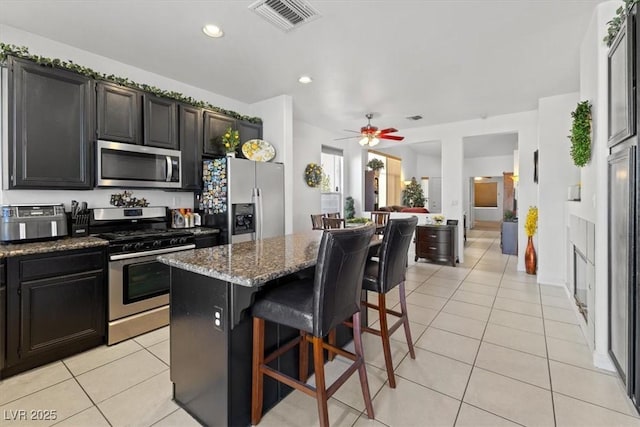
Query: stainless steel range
{"x":138,"y":284}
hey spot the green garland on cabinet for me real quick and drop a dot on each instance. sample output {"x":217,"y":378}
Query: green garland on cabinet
{"x":616,"y":22}
{"x":7,"y":50}
{"x":581,"y":134}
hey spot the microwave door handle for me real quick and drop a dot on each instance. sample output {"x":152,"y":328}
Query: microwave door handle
{"x":169,"y":169}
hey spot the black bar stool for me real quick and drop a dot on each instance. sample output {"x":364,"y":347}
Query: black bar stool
{"x":385,"y":274}
{"x":315,"y":306}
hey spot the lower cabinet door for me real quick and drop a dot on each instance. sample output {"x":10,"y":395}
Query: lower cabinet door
{"x":57,"y":312}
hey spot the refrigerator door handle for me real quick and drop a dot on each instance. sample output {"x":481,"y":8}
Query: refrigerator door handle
{"x":257,"y":200}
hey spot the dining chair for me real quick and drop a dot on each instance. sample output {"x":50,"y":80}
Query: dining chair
{"x":380,"y":219}
{"x":315,"y":306}
{"x":333,"y":215}
{"x":330,"y":223}
{"x":316,"y":222}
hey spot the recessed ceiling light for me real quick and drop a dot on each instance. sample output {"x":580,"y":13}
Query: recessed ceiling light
{"x":305,"y":79}
{"x":212,"y":31}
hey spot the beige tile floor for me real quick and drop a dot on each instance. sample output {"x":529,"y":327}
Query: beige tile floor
{"x":492,"y":349}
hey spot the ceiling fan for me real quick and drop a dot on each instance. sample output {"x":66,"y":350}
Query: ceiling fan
{"x":370,"y":135}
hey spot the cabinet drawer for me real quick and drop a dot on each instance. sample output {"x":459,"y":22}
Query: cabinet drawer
{"x":438,"y":236}
{"x":434,"y":248}
{"x":60,"y":264}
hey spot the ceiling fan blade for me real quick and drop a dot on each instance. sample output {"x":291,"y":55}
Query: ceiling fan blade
{"x":388,"y":130}
{"x":349,"y":130}
{"x":393,"y":137}
{"x":347,"y":137}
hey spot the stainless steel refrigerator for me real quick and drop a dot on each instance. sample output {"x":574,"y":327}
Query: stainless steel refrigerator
{"x":246,"y":197}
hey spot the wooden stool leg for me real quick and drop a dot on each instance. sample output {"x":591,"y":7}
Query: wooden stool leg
{"x":257,"y":376}
{"x":321,"y":387}
{"x":304,"y":357}
{"x":405,"y":320}
{"x":384,"y":334}
{"x":362,"y":370}
{"x":332,"y":341}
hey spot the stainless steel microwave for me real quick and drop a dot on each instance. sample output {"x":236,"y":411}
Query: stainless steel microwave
{"x":128,"y":165}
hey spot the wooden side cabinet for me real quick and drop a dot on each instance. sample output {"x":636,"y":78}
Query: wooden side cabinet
{"x":436,"y":243}
{"x":55,"y":306}
{"x":50,"y":127}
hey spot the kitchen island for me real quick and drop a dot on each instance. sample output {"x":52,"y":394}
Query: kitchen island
{"x":212,"y":290}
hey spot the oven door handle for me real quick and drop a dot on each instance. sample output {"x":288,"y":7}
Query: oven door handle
{"x":153,"y":252}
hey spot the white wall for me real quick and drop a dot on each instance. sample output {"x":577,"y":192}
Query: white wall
{"x":100,"y":197}
{"x":430,"y":166}
{"x":307,"y":148}
{"x":593,"y":177}
{"x":556,"y":172}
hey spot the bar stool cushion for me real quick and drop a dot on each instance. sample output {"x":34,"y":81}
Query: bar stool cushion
{"x":290,"y":304}
{"x":383,"y":275}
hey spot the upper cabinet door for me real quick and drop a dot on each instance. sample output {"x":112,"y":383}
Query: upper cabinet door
{"x":160,"y":124}
{"x":119,"y":114}
{"x":247,"y":131}
{"x":50,"y":127}
{"x":191,"y":146}
{"x":215,"y":125}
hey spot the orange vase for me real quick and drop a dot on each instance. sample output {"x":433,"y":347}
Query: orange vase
{"x":530,"y":260}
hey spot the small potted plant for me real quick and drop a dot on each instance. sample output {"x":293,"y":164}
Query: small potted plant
{"x":439,"y":219}
{"x":375,"y":165}
{"x":230,"y":141}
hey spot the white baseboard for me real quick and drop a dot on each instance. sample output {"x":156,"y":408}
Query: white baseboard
{"x":603,"y":361}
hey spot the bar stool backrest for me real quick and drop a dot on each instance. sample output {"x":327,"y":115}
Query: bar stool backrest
{"x":393,"y":252}
{"x":316,"y":222}
{"x":338,"y":279}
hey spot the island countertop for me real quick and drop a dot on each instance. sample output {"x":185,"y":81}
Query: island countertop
{"x":252,"y":263}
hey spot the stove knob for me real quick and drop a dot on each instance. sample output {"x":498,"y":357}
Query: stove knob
{"x":127,"y":247}
{"x":183,"y":240}
{"x":138,"y":245}
{"x":173,"y":241}
{"x":156,"y":243}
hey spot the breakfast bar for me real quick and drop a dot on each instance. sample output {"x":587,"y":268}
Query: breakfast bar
{"x":212,"y":291}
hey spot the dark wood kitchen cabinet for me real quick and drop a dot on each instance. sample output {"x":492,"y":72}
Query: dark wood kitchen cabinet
{"x":51,"y":127}
{"x":191,"y":146}
{"x":436,"y":243}
{"x":215,"y":124}
{"x":160,"y":122}
{"x":55,"y":306}
{"x":119,"y":112}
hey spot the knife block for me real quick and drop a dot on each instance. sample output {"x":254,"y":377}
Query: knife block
{"x":79,"y":225}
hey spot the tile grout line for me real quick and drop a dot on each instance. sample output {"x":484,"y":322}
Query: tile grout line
{"x":94,"y":404}
{"x":473,"y":365}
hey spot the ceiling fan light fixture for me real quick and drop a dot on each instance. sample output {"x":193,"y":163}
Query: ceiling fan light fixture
{"x":213,"y":31}
{"x":373,"y":141}
{"x":364,"y":141}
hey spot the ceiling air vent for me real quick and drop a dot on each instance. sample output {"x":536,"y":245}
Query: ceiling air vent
{"x":285,"y":14}
{"x":416,"y":117}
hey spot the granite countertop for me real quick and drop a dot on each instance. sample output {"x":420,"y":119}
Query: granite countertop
{"x":64,"y":244}
{"x":252,"y":263}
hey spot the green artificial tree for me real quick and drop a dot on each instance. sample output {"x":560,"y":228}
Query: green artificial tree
{"x":412,"y":195}
{"x":349,"y":211}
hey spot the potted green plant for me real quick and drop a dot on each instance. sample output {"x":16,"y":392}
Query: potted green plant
{"x":375,"y":164}
{"x":230,"y":141}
